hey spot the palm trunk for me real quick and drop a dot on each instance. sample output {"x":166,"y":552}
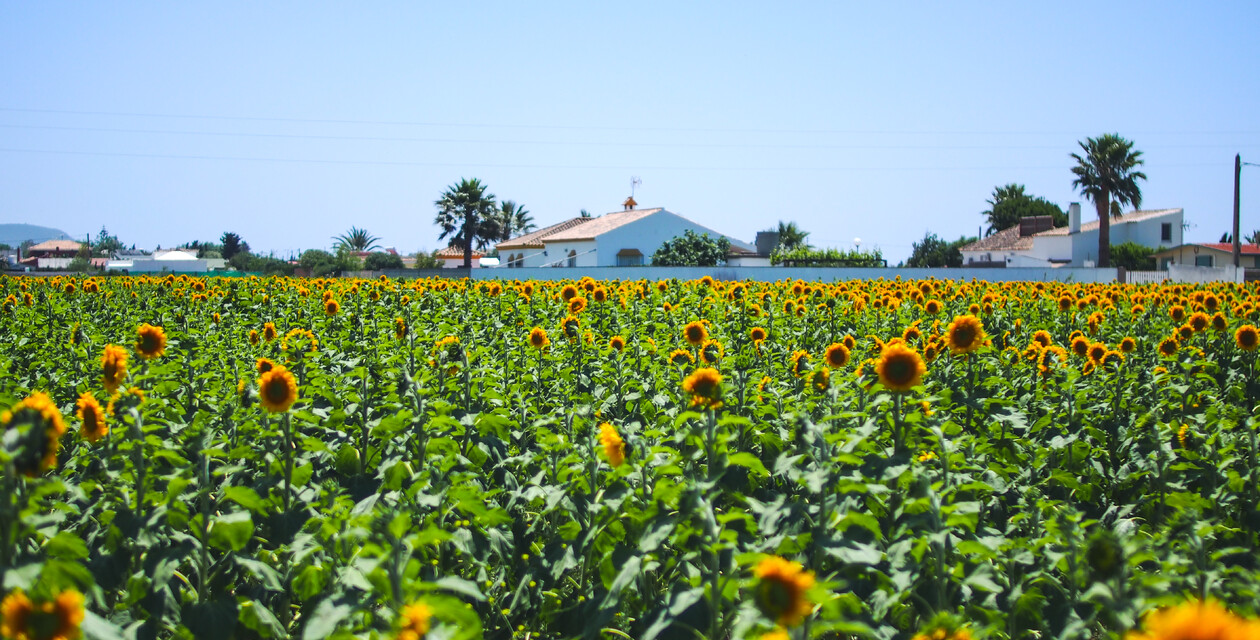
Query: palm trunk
{"x":1103,"y":204}
{"x":468,"y":239}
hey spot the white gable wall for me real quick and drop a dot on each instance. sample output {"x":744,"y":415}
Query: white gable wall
{"x":647,"y":235}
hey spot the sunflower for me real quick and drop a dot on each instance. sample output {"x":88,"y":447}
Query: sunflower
{"x":17,"y":611}
{"x":1168,"y":347}
{"x":65,"y":614}
{"x":820,"y":379}
{"x":150,"y":341}
{"x":900,"y":368}
{"x":1080,"y":346}
{"x":264,"y":365}
{"x":1177,"y":313}
{"x":400,"y":329}
{"x":705,"y":387}
{"x":911,"y":334}
{"x":617,"y":343}
{"x":712,"y":351}
{"x":92,"y":417}
{"x":269,"y":331}
{"x":1195,"y":620}
{"x":782,"y":588}
{"x":1128,"y":345}
{"x":570,"y":327}
{"x":695,"y":333}
{"x":577,"y":305}
{"x":538,"y":338}
{"x":414,"y":621}
{"x":837,"y":355}
{"x":42,"y":439}
{"x":253,"y":336}
{"x":800,"y":362}
{"x":758,"y":335}
{"x":1096,"y":352}
{"x":1185,"y":331}
{"x":1199,"y":321}
{"x":568,"y":293}
{"x":965,"y":334}
{"x":614,"y":446}
{"x":113,"y":367}
{"x":277,"y":390}
{"x":1247,"y":337}
{"x":932,"y":307}
{"x":332,"y":307}
{"x":681,"y":357}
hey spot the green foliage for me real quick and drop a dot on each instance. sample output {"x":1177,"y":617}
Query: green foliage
{"x":427,"y":260}
{"x":931,"y":251}
{"x":322,"y":263}
{"x":1107,"y":174}
{"x":692,"y":250}
{"x":466,"y":216}
{"x":1009,"y":204}
{"x":380,"y":261}
{"x":357,"y":240}
{"x":829,"y":257}
{"x":1133,"y":256}
{"x":106,"y":244}
{"x":791,"y":237}
{"x":232,"y":245}
{"x":269,"y":265}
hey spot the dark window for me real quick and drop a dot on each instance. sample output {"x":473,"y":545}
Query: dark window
{"x":1203,"y":261}
{"x":1165,"y":232}
{"x":572,"y":258}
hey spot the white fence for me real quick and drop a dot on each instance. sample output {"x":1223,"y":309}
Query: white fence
{"x":1187,"y":274}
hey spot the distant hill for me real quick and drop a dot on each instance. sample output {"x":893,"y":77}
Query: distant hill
{"x":15,"y":234}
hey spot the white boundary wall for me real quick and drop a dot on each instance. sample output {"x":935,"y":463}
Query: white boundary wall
{"x":808,"y":274}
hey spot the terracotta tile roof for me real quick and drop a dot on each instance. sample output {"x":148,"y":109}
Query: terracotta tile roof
{"x":1004,"y":240}
{"x":1132,"y":216}
{"x":458,"y":252}
{"x":56,"y":245}
{"x":601,"y":225}
{"x":534,"y":239}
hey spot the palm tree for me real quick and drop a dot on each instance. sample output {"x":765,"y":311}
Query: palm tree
{"x":1106,"y":175}
{"x":791,"y":236}
{"x":1000,"y":195}
{"x":512,"y":220}
{"x":357,"y":240}
{"x":463,"y":212}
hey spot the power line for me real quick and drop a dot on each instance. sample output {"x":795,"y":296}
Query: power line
{"x":421,"y":123}
{"x":405,"y":163}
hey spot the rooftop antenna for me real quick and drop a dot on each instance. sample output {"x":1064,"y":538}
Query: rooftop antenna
{"x":634,"y":182}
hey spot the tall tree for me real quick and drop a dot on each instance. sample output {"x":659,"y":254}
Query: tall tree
{"x":462,"y":210}
{"x":932,"y":251}
{"x":1009,"y":204}
{"x":791,"y":236}
{"x":357,"y":240}
{"x":232,"y":245}
{"x":1107,"y":175}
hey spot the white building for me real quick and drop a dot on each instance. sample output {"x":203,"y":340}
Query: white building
{"x":175,"y":261}
{"x":1033,"y":243}
{"x":453,"y":257}
{"x":620,"y":239}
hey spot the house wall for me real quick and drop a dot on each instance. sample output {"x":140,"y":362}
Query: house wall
{"x":1186,"y":255}
{"x":1082,"y":248}
{"x":557,"y":254}
{"x":458,"y":263}
{"x":808,"y":274}
{"x":176,"y":266}
{"x":647,"y":235}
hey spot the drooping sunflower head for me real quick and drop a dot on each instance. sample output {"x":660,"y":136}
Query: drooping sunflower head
{"x":1096,"y":352}
{"x":681,"y":357}
{"x":965,"y":334}
{"x":577,"y":305}
{"x":800,"y":362}
{"x":617,"y":343}
{"x":150,"y":341}
{"x":1194,"y":620}
{"x":900,"y":368}
{"x":1247,"y":338}
{"x":711,"y":351}
{"x":269,"y":331}
{"x":837,"y":355}
{"x":820,"y":379}
{"x":277,"y":390}
{"x":782,"y":591}
{"x":400,"y":329}
{"x":39,"y":428}
{"x":695,"y":333}
{"x":91,"y":418}
{"x":538,"y":338}
{"x":705,"y":387}
{"x":757,"y":334}
{"x":113,"y":367}
{"x":570,"y":327}
{"x":614,"y":446}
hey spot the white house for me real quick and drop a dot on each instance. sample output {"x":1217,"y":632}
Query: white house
{"x":159,"y":261}
{"x":453,"y":257}
{"x":1033,"y":243}
{"x":620,"y":239}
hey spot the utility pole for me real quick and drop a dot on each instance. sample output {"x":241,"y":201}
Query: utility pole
{"x":1237,"y":240}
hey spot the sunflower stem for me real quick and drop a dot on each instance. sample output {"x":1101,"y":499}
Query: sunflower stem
{"x":288,"y":458}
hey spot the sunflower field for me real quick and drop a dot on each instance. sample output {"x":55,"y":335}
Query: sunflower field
{"x":434,"y":458}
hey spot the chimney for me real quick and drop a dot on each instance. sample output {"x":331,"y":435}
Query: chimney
{"x":1074,"y":217}
{"x":766,"y":242}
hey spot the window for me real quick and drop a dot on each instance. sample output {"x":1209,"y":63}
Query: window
{"x":1203,"y":261}
{"x":629,"y":258}
{"x":1165,"y":232}
{"x":1163,"y":263}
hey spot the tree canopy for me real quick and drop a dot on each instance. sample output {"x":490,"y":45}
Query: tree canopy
{"x":932,"y":251}
{"x":356,"y":240}
{"x":465,"y":213}
{"x":791,"y":237}
{"x":692,"y":250}
{"x":1010,"y":203}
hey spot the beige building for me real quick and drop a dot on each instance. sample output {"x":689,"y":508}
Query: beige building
{"x":1208,"y":254}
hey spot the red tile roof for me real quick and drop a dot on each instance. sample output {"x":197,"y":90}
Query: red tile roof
{"x":1228,"y":247}
{"x":457,"y":252}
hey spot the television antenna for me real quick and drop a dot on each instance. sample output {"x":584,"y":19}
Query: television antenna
{"x":634,"y":182}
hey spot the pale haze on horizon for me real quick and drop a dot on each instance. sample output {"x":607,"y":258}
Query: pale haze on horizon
{"x":290,"y":122}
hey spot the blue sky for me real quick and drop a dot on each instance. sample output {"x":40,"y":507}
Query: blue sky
{"x":288,"y":122}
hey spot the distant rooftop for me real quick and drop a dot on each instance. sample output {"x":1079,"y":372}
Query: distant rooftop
{"x":1132,"y":216}
{"x":534,"y":239}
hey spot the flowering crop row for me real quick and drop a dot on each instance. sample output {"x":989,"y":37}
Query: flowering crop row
{"x":219,"y":458}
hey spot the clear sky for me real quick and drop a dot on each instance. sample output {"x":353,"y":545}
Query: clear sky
{"x":288,"y":122}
